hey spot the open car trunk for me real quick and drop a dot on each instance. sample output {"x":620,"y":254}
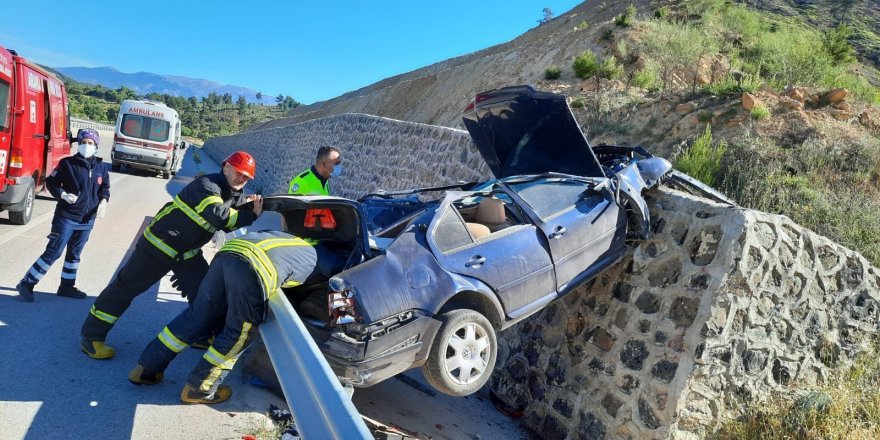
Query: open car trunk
{"x":519,"y":130}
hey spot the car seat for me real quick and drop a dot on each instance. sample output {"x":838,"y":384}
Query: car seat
{"x":491,"y":213}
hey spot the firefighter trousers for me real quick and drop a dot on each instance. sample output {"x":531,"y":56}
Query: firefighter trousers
{"x":231,"y":289}
{"x":144,"y":268}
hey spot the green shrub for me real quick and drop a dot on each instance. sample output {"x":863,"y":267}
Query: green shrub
{"x":609,"y":69}
{"x":702,"y":160}
{"x":759,"y":112}
{"x":552,"y":72}
{"x":837,"y":44}
{"x":577,"y":103}
{"x":662,"y":12}
{"x":627,"y":18}
{"x":729,"y":86}
{"x":583,"y":25}
{"x":647,"y":78}
{"x":585,"y":65}
{"x":608,"y":34}
{"x":704,"y":117}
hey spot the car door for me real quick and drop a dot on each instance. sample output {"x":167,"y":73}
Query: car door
{"x":580,"y":223}
{"x":513,"y":261}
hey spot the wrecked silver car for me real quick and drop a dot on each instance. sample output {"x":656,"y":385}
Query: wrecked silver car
{"x":417,"y":279}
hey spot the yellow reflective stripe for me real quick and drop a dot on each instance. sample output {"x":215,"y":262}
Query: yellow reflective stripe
{"x":171,"y":341}
{"x":168,"y":250}
{"x":206,"y":384}
{"x":191,"y":253}
{"x":210,"y":200}
{"x":291,"y":283}
{"x":163,"y":213}
{"x":194,"y":216}
{"x":106,"y":317}
{"x":233,"y":217}
{"x":258,"y":259}
{"x":218,"y":360}
{"x":273,"y":243}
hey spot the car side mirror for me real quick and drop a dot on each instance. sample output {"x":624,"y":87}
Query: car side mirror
{"x":182,"y":145}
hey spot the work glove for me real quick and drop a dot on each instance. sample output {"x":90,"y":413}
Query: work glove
{"x":69,"y":198}
{"x":102,"y":208}
{"x":175,"y":283}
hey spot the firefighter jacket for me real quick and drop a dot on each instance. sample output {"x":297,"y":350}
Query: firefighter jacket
{"x":279,"y":259}
{"x":309,"y":183}
{"x":88,"y":178}
{"x":204,"y":206}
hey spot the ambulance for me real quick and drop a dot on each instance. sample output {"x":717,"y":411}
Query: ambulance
{"x":147,"y":137}
{"x":34,"y":132}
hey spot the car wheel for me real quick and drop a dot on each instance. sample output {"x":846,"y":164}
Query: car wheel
{"x":463,"y":353}
{"x":24,"y":216}
{"x":166,"y":175}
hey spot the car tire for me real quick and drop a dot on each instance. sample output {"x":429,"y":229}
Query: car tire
{"x":463,"y":353}
{"x":24,"y":216}
{"x":166,"y":175}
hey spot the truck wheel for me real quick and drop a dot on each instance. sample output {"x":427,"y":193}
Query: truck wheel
{"x":24,"y":216}
{"x":166,"y":175}
{"x":116,"y":166}
{"x":462,"y":355}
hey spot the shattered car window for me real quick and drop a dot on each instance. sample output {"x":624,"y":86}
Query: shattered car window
{"x":547,"y":197}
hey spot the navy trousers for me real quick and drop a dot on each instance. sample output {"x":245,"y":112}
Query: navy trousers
{"x":66,"y":233}
{"x":145,"y":267}
{"x":231,"y":289}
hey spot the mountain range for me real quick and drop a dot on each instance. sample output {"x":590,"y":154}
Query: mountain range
{"x":146,"y":82}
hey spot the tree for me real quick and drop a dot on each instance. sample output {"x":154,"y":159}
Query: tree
{"x":227,"y":98}
{"x":242,"y":104}
{"x":548,"y":15}
{"x":260,"y":97}
{"x":279,"y":100}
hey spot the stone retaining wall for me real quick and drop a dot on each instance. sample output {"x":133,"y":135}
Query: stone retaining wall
{"x":717,"y":310}
{"x":377,"y":153}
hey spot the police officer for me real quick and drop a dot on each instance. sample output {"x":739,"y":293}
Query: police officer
{"x":316,"y":180}
{"x":172,"y":242}
{"x":81,"y":183}
{"x":242,"y":277}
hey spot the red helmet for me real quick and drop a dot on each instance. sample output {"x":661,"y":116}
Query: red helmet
{"x":243,"y":163}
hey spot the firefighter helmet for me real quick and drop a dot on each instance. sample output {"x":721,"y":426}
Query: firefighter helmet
{"x":243,"y":162}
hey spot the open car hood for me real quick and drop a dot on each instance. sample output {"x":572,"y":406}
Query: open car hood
{"x":519,"y":130}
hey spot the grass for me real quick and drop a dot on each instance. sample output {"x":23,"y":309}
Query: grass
{"x":702,"y":160}
{"x":829,"y":184}
{"x":759,"y":112}
{"x":847,"y":406}
{"x":771,"y":49}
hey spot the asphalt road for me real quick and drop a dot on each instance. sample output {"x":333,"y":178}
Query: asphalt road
{"x":50,"y":389}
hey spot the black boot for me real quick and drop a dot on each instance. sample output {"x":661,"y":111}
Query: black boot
{"x":26,"y":291}
{"x":71,"y":292}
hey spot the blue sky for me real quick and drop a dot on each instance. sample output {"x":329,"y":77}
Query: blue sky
{"x":309,"y":50}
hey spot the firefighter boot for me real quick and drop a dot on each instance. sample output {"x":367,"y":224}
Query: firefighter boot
{"x":97,"y":349}
{"x":71,"y":292}
{"x":194,"y":396}
{"x":26,"y":291}
{"x":139,"y":376}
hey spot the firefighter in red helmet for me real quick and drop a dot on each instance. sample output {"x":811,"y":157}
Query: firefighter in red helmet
{"x":172,"y":242}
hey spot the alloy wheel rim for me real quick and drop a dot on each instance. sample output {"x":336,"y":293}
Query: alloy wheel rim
{"x":468,"y":350}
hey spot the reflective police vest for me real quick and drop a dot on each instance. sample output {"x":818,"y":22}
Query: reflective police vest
{"x":279,"y":259}
{"x":309,"y":184}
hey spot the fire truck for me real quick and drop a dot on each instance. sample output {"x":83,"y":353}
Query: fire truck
{"x":34,"y":132}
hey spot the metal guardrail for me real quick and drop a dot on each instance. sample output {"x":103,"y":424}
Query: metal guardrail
{"x":319,"y":405}
{"x":77,"y":123}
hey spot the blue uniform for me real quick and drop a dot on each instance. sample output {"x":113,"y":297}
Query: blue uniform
{"x":89,"y":180}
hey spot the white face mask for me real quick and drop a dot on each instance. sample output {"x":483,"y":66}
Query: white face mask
{"x":87,"y":150}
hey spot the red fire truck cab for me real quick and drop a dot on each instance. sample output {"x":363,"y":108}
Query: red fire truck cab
{"x":34,"y":132}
